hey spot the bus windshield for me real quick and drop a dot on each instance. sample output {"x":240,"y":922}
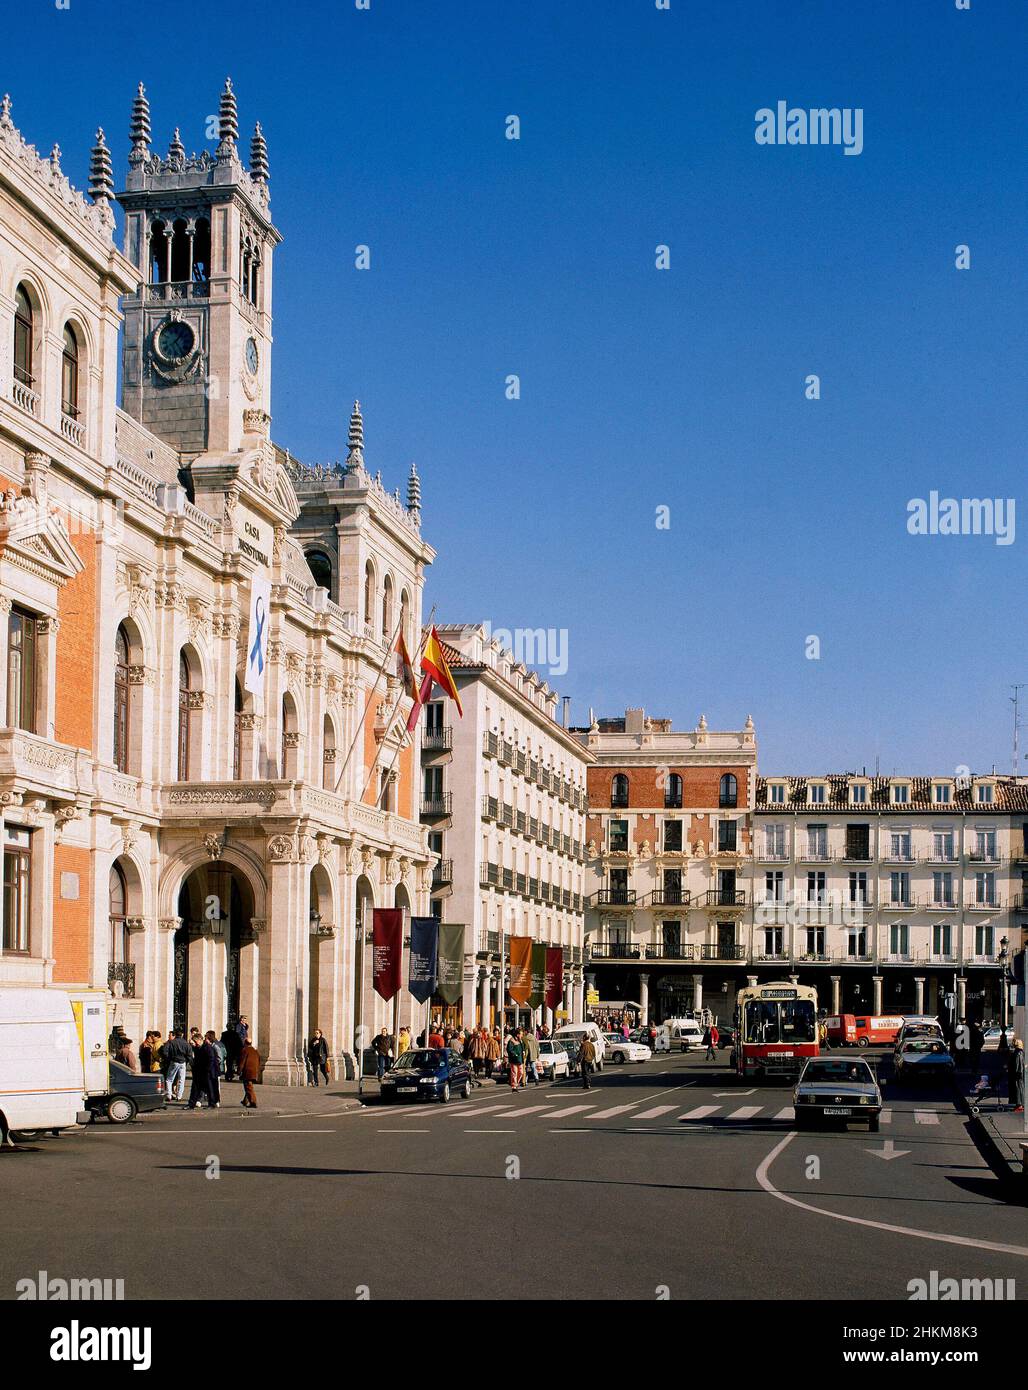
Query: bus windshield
{"x":780,"y":1021}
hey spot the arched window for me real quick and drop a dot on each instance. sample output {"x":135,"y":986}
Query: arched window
{"x":729,"y":794}
{"x":70,"y":373}
{"x":184,"y":717}
{"x":237,"y":736}
{"x":673,"y":790}
{"x":23,"y":336}
{"x":320,"y":567}
{"x":387,"y":609}
{"x":121,"y":700}
{"x":202,"y":250}
{"x":405,"y":617}
{"x":619,"y":789}
{"x":328,"y":757}
{"x":117,"y":898}
{"x":369,"y":594}
{"x":289,"y":761}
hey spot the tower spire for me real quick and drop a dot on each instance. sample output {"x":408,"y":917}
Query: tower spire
{"x":139,"y":130}
{"x":101,"y":173}
{"x":176,"y":150}
{"x":228,"y":119}
{"x":356,"y":437}
{"x":414,"y":494}
{"x":259,"y":155}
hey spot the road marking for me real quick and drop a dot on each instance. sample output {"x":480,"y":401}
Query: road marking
{"x":886,"y":1117}
{"x":404,"y":1131}
{"x":479,"y":1110}
{"x":520,"y":1110}
{"x":244,"y":1129}
{"x":769,"y":1187}
{"x":570,"y":1110}
{"x":925,"y":1117}
{"x":889,"y":1150}
{"x":722,"y":1094}
{"x":700,"y":1113}
{"x":489,"y":1131}
{"x":652,"y":1114}
{"x":614,"y":1110}
{"x":745,"y":1112}
{"x":786,"y":1113}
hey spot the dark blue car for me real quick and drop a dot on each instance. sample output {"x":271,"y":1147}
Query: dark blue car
{"x":427,"y":1073}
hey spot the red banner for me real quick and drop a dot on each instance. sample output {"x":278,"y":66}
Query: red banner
{"x":520,"y":986}
{"x":554,"y":976}
{"x":387,"y":949}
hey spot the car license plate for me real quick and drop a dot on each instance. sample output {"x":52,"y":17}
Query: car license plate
{"x":835,"y":1110}
{"x":406,"y":1090}
{"x":787,"y":1054}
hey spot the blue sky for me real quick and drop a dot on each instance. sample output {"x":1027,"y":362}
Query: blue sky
{"x":643,"y":388}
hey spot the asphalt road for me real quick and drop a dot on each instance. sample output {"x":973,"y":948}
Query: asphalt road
{"x":667,"y":1179}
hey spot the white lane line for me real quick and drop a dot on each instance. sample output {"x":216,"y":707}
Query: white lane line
{"x":769,"y":1187}
{"x":700,"y":1113}
{"x":652,"y":1114}
{"x":243,"y":1129}
{"x":745,"y":1112}
{"x":614,"y":1110}
{"x":404,"y":1131}
{"x":925,"y":1117}
{"x":520,"y":1110}
{"x":570,"y":1110}
{"x":886,"y":1117}
{"x":478,"y":1110}
{"x":786,"y":1113}
{"x":489,"y":1131}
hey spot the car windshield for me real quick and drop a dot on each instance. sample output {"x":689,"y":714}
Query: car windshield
{"x":786,"y":1021}
{"x":838,"y":1071}
{"x":426,"y":1059}
{"x":926,"y":1045}
{"x":545,"y":1046}
{"x":922,"y":1030}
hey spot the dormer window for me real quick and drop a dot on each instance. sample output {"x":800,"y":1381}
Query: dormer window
{"x":985,"y":794}
{"x":942,"y":794}
{"x":776,"y":794}
{"x":901,"y":793}
{"x":816,"y":793}
{"x":858,"y":794}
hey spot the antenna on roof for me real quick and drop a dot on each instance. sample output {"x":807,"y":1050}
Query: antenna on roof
{"x":1017,"y":719}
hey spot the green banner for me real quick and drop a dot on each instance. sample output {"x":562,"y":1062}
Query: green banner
{"x":450,"y":985}
{"x":538,"y":994}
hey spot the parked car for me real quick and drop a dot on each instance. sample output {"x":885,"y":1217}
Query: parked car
{"x":427,"y":1073}
{"x":992,"y":1037}
{"x":570,"y":1037}
{"x":924,"y":1059}
{"x":725,"y":1034}
{"x":833,"y":1089}
{"x":553,"y":1059}
{"x":622,"y":1050}
{"x":919,"y":1026}
{"x":129,"y":1094}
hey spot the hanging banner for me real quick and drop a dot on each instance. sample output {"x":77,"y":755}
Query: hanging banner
{"x":520,"y":986}
{"x":538,"y":975}
{"x":450,"y":982}
{"x":257,"y":638}
{"x":424,"y":941}
{"x":387,"y":949}
{"x":554,"y":977}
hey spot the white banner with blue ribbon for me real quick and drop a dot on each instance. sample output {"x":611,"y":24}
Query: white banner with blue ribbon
{"x":257,"y":640}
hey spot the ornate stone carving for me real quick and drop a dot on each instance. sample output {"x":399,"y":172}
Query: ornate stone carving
{"x":48,"y":624}
{"x":209,"y":796}
{"x":135,"y":924}
{"x":226,"y":625}
{"x":213,"y":845}
{"x":258,"y":926}
{"x":325,"y":845}
{"x":292,"y":740}
{"x":142,"y":675}
{"x":367,"y":860}
{"x":169,"y":924}
{"x":252,"y":723}
{"x":281,"y":848}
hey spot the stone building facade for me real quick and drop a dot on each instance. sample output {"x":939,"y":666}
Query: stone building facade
{"x":198,"y":850}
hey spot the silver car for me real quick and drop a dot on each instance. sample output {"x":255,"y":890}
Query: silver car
{"x":831,"y":1088}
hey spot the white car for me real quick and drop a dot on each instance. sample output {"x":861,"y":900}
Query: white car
{"x":553,"y":1060}
{"x":621,"y":1049}
{"x":992,"y":1035}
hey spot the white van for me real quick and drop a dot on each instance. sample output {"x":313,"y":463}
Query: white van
{"x":41,"y":1080}
{"x":679,"y":1034}
{"x":571,"y":1036}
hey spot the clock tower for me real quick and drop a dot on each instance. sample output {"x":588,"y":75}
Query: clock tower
{"x":196,"y":366}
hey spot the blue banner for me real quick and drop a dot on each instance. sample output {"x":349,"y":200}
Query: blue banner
{"x":424,"y":943}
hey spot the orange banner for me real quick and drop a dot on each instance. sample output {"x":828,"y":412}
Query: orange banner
{"x":520,"y":986}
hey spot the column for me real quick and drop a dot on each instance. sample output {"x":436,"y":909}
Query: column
{"x":961,"y":998}
{"x":644,"y":997}
{"x":876,"y":981}
{"x":751,"y":980}
{"x":836,"y":993}
{"x":794,"y":979}
{"x":697,"y":992}
{"x":483,"y":995}
{"x":280,"y":1019}
{"x":919,"y":994}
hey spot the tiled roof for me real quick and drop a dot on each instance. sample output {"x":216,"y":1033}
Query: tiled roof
{"x":1010,"y":797}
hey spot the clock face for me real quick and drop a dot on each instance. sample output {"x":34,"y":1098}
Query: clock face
{"x":251,"y":356}
{"x":176,"y":340}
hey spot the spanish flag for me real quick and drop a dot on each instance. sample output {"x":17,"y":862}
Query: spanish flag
{"x":433,"y":665}
{"x":410,"y":684}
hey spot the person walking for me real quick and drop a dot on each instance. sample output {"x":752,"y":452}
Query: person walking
{"x":1015,"y":1076}
{"x":233,"y":1045}
{"x":249,"y":1072}
{"x":977,"y":1042}
{"x":317,"y":1053}
{"x":712,"y":1037}
{"x":492,"y":1054}
{"x":176,"y":1055}
{"x":531,"y":1043}
{"x":385,"y":1048}
{"x":214,"y":1063}
{"x":516,"y":1059}
{"x":125,"y":1055}
{"x":205,"y":1074}
{"x":586,"y":1060}
{"x":146,"y":1051}
{"x":403,"y":1041}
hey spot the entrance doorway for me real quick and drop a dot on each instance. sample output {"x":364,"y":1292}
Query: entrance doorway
{"x":215,"y":976}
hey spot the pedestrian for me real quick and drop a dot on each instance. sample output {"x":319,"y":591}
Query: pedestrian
{"x":403,"y":1041}
{"x":531,"y":1043}
{"x":146,"y":1052}
{"x":492,"y":1055}
{"x":205,"y":1065}
{"x":975,"y":1049}
{"x":156,"y":1043}
{"x":125,"y":1055}
{"x":586,"y":1060}
{"x":1015,"y":1076}
{"x":176,"y":1055}
{"x":214,"y":1065}
{"x":712,"y":1038}
{"x":516,"y":1060}
{"x":249,"y":1072}
{"x":317,"y":1052}
{"x":479,"y":1050}
{"x":435,"y":1038}
{"x":385,"y":1048}
{"x":233,"y":1045}
{"x":242,"y":1030}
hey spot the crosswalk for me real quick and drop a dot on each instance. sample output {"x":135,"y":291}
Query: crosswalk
{"x":585,"y":1114}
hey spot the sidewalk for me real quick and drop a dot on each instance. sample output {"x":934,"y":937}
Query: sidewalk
{"x":298,"y":1100}
{"x":999,"y":1134}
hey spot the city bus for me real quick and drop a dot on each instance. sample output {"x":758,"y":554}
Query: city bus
{"x":776,"y":1029}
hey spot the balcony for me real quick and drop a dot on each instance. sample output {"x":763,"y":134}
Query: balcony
{"x":437,"y":740}
{"x":619,"y":803}
{"x":772,"y":856}
{"x":25,"y":398}
{"x":613,"y":897}
{"x":725,"y":897}
{"x":442,"y":873}
{"x":984,"y":856}
{"x":491,"y":746}
{"x":994,"y":904}
{"x":1019,"y":902}
{"x":615,"y":950}
{"x":814,"y":856}
{"x":74,"y":431}
{"x":121,"y":980}
{"x":725,"y":951}
{"x":855,"y":854}
{"x":437,"y":807}
{"x":662,"y":950}
{"x":766,"y":957}
{"x":669,"y":897}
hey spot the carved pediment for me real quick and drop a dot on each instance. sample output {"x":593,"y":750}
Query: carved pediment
{"x":36,"y":538}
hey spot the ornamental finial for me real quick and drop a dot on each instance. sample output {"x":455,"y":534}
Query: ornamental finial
{"x":139,"y":130}
{"x":228,"y":115}
{"x":414,"y":492}
{"x":176,"y":150}
{"x":101,"y":172}
{"x":356,"y":436}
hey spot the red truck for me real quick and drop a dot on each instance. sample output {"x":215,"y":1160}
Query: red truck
{"x":862,"y":1030}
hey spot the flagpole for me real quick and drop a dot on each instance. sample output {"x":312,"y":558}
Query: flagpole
{"x":392,"y":715}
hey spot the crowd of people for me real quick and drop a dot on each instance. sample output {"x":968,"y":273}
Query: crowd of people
{"x":204,"y":1057}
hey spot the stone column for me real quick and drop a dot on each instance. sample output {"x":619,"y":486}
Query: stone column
{"x":281,"y":1016}
{"x":697,"y":992}
{"x":794,"y":979}
{"x":483,"y":995}
{"x":961,"y":998}
{"x":644,"y":996}
{"x":919,"y":994}
{"x":836,"y":994}
{"x":876,"y":981}
{"x":751,"y":980}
